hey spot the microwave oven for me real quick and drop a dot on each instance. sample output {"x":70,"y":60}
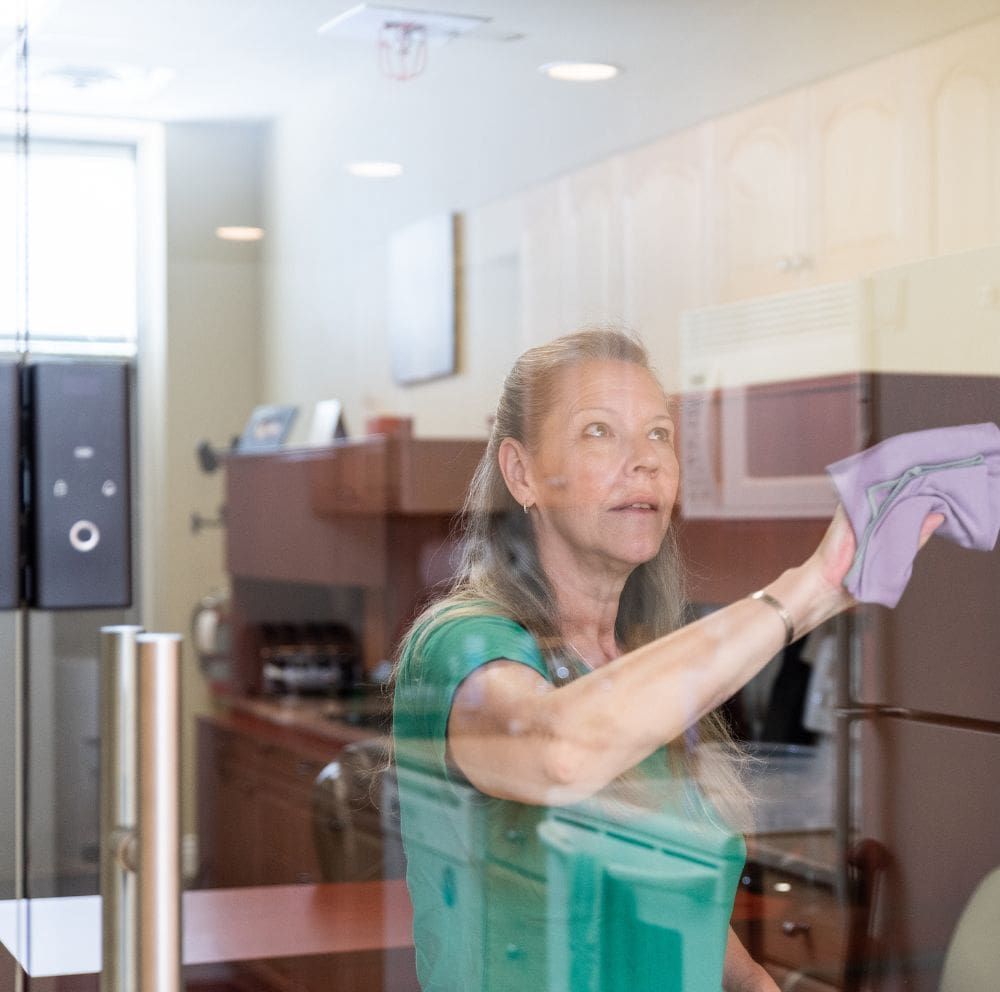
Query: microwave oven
{"x":760,"y":450}
{"x":776,"y":388}
{"x":772,"y":393}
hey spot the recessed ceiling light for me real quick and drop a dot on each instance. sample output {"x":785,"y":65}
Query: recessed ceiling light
{"x":375,"y":170}
{"x":579,"y":72}
{"x":239,"y":233}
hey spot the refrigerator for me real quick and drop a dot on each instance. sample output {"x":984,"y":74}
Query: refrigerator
{"x":66,"y":555}
{"x":923,"y":715}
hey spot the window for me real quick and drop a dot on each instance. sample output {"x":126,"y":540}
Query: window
{"x":81,"y":247}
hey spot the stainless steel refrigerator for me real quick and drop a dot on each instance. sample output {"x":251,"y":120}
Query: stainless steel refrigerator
{"x":925,"y":716}
{"x":66,"y":556}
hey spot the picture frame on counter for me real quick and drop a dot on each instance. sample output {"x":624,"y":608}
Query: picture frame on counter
{"x":327,"y":423}
{"x":268,"y":427}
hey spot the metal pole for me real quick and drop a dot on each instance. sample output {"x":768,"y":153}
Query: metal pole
{"x":119,"y":700}
{"x":159,"y":813}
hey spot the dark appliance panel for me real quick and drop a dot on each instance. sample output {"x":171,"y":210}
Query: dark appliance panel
{"x":929,"y":796}
{"x":932,"y":653}
{"x":80,"y":485}
{"x":10,"y":486}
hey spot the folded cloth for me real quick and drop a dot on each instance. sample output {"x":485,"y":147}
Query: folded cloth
{"x":889,"y":489}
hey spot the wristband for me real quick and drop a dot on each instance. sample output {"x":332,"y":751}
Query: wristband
{"x":786,"y":617}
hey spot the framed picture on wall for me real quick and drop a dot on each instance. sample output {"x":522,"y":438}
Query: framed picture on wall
{"x":422,"y":300}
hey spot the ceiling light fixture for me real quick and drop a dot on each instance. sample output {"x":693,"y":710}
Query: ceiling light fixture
{"x":579,"y":72}
{"x":375,"y":170}
{"x":239,"y":233}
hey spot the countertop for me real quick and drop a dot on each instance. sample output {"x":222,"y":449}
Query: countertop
{"x":315,"y":721}
{"x":810,"y":855}
{"x":62,"y":936}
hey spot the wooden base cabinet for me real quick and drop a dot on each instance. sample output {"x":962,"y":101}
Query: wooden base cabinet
{"x":255,"y":810}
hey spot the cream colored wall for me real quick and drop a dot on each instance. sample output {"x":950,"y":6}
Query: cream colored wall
{"x":213,"y":177}
{"x":325,"y":255}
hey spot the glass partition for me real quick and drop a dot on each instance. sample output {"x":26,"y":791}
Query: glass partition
{"x":550,"y":742}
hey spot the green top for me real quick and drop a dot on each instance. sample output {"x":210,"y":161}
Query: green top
{"x":510,"y":897}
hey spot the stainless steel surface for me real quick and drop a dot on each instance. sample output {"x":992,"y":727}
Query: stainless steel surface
{"x":119,"y":700}
{"x":159,"y":813}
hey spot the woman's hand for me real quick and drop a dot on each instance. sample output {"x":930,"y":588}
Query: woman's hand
{"x":741,"y":973}
{"x":835,"y":554}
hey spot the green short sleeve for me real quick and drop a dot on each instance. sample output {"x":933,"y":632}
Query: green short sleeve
{"x":431,"y":669}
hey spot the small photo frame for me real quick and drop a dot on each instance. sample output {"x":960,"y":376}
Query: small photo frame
{"x":327,"y":423}
{"x":268,"y":428}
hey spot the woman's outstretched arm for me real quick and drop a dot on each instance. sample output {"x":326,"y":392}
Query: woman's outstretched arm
{"x":515,"y":736}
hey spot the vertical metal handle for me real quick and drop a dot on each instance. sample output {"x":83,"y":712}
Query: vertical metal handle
{"x":119,"y":907}
{"x":159,"y":813}
{"x":140,"y":811}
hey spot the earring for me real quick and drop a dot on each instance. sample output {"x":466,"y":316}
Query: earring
{"x":525,"y":506}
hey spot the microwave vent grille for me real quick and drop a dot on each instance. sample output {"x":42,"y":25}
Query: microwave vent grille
{"x":808,"y":332}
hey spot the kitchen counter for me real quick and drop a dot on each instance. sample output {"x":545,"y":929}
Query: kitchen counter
{"x":318,"y":721}
{"x":220,"y":925}
{"x":811,"y":855}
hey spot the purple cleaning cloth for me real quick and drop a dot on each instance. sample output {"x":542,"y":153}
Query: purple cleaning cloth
{"x":889,"y":489}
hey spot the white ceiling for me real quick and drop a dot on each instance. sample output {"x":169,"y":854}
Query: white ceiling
{"x":682,"y":61}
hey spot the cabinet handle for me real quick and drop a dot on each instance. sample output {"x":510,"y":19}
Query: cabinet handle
{"x":513,"y":952}
{"x":792,"y":929}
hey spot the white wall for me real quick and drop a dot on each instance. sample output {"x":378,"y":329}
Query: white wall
{"x":213,"y":339}
{"x":326,"y":285}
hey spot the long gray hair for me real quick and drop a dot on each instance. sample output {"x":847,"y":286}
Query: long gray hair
{"x":500,"y":571}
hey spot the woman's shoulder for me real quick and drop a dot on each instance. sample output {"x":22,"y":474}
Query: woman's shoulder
{"x":465,"y":634}
{"x":459,"y":613}
{"x":462,"y":619}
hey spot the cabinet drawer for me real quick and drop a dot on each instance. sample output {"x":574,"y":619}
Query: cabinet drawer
{"x":795,"y":981}
{"x":806,"y":928}
{"x":232,"y":755}
{"x":287,"y":770}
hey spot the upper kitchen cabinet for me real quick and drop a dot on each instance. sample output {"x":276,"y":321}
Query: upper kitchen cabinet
{"x":958,"y":84}
{"x":816,"y":186}
{"x":861,"y":208}
{"x":757,"y":174}
{"x":542,"y":262}
{"x":664,"y":256}
{"x":571,"y":258}
{"x":590,"y":221}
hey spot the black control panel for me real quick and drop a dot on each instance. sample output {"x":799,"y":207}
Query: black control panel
{"x":10,"y":486}
{"x":79,"y":507}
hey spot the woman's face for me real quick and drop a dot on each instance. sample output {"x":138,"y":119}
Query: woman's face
{"x":603,"y":469}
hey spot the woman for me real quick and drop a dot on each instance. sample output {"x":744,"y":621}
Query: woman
{"x":557,"y":669}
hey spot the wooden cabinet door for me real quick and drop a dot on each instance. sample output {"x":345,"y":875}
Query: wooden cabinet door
{"x":590,"y":222}
{"x":542,"y":265}
{"x":958,"y":88}
{"x":757,"y":193}
{"x":861,"y":211}
{"x":664,"y":243}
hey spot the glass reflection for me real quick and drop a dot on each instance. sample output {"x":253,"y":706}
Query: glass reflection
{"x":804,"y":232}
